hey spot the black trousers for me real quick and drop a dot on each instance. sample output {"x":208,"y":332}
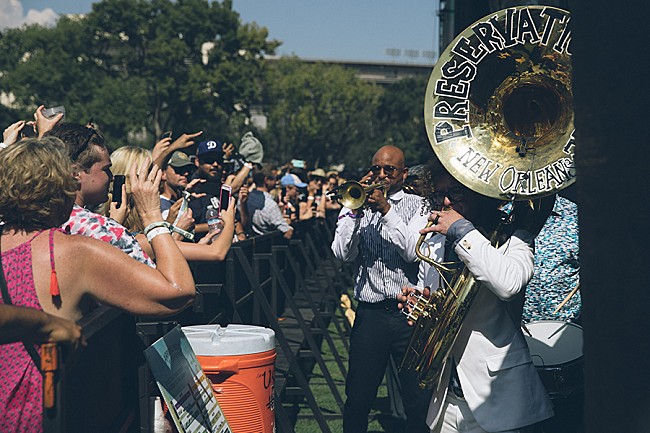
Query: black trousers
{"x":380,"y":330}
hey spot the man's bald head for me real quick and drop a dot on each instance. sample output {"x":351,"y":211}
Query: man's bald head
{"x":388,"y":166}
{"x":392,"y":153}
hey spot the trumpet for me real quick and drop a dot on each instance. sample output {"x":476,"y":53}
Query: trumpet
{"x":353,"y":194}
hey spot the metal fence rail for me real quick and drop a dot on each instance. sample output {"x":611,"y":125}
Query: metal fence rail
{"x":108,"y":387}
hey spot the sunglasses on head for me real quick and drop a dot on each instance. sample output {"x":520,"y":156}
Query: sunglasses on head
{"x":388,"y":169}
{"x":453,"y":194}
{"x":84,"y":144}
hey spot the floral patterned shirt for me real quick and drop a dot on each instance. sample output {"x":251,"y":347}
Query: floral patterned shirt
{"x":91,"y":224}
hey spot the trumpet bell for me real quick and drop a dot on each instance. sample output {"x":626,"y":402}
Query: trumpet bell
{"x":352,"y":195}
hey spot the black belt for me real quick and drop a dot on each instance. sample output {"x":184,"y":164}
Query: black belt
{"x":386,"y":304}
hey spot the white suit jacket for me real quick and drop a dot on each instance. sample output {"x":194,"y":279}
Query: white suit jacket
{"x":496,"y":372}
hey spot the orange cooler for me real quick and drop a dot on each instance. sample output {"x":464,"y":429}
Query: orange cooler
{"x":239,"y":360}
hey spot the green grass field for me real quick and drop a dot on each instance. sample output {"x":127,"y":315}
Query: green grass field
{"x":380,"y":421}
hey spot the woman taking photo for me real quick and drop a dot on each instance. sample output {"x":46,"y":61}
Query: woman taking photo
{"x":66,"y":275}
{"x":209,"y":248}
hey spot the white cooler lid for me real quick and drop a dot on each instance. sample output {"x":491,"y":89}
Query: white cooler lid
{"x":215,"y":340}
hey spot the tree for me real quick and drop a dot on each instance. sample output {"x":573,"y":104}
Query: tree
{"x":198,"y":64}
{"x":400,"y":114}
{"x":318,"y":112}
{"x":137,"y":65}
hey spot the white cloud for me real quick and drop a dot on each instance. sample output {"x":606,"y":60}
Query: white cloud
{"x":12,"y":15}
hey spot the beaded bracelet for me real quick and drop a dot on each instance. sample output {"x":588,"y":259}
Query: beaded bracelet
{"x":157,"y":231}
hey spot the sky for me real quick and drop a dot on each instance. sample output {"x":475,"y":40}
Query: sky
{"x":402,"y":31}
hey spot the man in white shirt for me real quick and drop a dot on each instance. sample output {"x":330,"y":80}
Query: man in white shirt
{"x":382,"y":245}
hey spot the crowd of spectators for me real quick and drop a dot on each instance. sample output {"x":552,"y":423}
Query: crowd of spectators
{"x":266,"y":196}
{"x":59,"y":211}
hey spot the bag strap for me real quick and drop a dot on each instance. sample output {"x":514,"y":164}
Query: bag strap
{"x":33,"y":353}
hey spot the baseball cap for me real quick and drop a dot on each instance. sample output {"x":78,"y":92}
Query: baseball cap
{"x":292,"y":179}
{"x":180,"y":159}
{"x":209,"y":146}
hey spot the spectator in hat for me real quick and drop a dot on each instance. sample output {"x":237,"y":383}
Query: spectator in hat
{"x":175,"y":179}
{"x":313,"y":204}
{"x":209,"y":170}
{"x":291,"y":179}
{"x":289,"y":201}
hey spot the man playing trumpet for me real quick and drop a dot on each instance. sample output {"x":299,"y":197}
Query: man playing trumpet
{"x":382,"y":244}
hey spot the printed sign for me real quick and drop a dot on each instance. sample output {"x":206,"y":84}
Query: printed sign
{"x":184,"y":386}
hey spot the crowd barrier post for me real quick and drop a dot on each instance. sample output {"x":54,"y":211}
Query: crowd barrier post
{"x":96,"y":388}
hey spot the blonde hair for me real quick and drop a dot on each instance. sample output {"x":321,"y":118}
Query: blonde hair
{"x":122,"y":160}
{"x":37,"y":187}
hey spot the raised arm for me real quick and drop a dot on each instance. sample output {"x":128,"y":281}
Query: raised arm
{"x":165,"y":150}
{"x":114,"y":279}
{"x":218,"y":248}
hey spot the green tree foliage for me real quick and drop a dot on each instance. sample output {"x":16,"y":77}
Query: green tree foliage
{"x":46,"y":66}
{"x":318,"y":112}
{"x":142,"y":65}
{"x":400,"y":115}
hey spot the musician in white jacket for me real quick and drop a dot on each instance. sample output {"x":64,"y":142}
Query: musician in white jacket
{"x":489,"y":383}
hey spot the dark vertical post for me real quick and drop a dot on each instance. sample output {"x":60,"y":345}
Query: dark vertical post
{"x":610,"y":43}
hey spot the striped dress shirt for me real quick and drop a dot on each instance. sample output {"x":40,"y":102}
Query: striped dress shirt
{"x":382,"y":247}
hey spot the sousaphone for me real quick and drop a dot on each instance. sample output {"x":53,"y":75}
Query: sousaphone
{"x":499,"y":116}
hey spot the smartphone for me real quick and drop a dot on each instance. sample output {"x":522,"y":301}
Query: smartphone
{"x":224,"y":197}
{"x":53,"y":111}
{"x":118,"y":181}
{"x":28,"y":131}
{"x":167,"y":134}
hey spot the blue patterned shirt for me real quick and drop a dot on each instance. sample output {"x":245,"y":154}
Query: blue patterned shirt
{"x":557,"y":266}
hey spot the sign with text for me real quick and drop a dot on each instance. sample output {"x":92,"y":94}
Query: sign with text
{"x":499,"y":104}
{"x":184,"y":386}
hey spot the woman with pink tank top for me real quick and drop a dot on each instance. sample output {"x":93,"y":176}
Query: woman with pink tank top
{"x":64,"y":275}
